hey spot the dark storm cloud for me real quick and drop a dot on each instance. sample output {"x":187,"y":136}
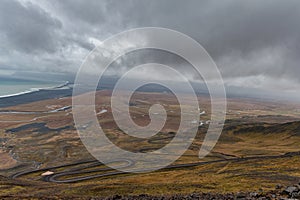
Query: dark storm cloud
{"x":28,"y":28}
{"x":245,"y":38}
{"x":83,"y":11}
{"x":252,"y":41}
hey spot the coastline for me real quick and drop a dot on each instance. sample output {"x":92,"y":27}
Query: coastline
{"x":39,"y":94}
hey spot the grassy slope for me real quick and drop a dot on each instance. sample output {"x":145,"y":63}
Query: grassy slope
{"x":244,"y":135}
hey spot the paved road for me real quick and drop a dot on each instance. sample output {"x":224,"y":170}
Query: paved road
{"x":108,"y":171}
{"x":23,"y":173}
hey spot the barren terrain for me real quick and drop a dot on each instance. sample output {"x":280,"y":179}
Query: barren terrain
{"x":258,"y":149}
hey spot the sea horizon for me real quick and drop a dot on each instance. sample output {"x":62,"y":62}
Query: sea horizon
{"x":15,"y":87}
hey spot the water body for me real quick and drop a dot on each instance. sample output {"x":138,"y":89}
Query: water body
{"x":15,"y":87}
{"x":16,"y":91}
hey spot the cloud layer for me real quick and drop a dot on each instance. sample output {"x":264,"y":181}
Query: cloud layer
{"x":253,"y":42}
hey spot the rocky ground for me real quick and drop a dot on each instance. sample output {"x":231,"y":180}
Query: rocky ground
{"x":280,"y":193}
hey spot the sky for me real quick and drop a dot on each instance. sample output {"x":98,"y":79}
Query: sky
{"x":255,"y":44}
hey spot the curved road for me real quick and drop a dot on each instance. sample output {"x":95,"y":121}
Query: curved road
{"x":94,"y":163}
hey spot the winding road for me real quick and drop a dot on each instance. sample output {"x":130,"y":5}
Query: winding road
{"x":56,"y":177}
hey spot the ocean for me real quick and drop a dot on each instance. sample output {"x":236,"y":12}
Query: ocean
{"x":16,"y":91}
{"x":15,"y":87}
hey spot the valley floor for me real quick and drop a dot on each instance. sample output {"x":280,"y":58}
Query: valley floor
{"x":257,"y":150}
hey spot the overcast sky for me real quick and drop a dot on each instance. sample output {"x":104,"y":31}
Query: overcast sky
{"x":254,"y":43}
